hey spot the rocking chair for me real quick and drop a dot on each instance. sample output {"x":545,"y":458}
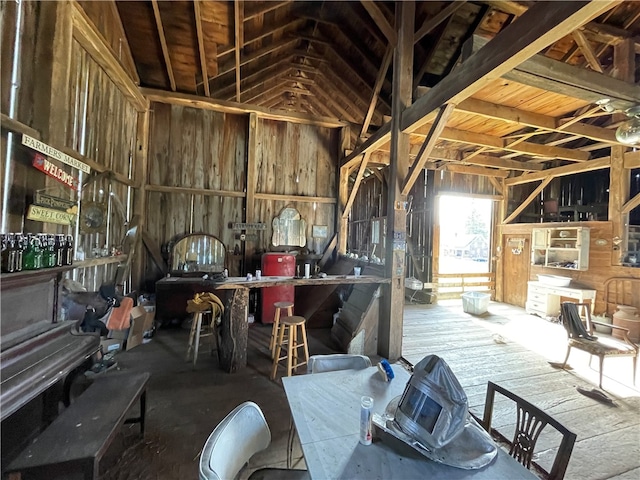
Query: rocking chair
{"x":583,"y":339}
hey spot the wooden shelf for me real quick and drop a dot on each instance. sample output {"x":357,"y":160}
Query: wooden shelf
{"x":35,"y":273}
{"x":94,"y":262}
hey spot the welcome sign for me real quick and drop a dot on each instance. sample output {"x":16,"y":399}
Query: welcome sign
{"x":55,"y":172}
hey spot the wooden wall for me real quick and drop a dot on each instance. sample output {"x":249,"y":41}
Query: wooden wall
{"x":197,"y":151}
{"x":600,"y":267}
{"x":198,"y":171}
{"x":67,"y":99}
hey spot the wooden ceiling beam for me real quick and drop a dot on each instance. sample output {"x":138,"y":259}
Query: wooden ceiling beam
{"x":558,"y":77}
{"x":427,"y":147}
{"x":322,"y":96}
{"x":163,"y":44}
{"x":381,"y":21}
{"x":522,"y":148}
{"x":377,"y":86}
{"x":545,"y":23}
{"x":532,"y":196}
{"x":430,"y":23}
{"x":502,"y":163}
{"x":562,"y":171}
{"x":340,"y":84}
{"x":535,"y":120}
{"x":248,"y":82}
{"x":481,"y":171}
{"x":201,"y":51}
{"x":356,"y":185}
{"x":238,"y":13}
{"x":322,"y":107}
{"x":287,"y":23}
{"x":266,"y":7}
{"x":195,"y":101}
{"x":587,"y":51}
{"x":246,"y":59}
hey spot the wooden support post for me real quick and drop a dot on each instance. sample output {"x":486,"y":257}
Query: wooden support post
{"x":140,"y":197}
{"x":252,"y":152}
{"x":390,"y":326}
{"x":343,"y":191}
{"x":619,"y":177}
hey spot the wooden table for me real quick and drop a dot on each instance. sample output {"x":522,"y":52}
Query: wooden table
{"x":172,"y":294}
{"x":326,"y":413}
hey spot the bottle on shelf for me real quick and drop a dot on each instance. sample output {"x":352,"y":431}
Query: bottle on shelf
{"x":59,"y":249}
{"x":29,"y":261}
{"x":67,"y":257}
{"x":48,"y":252}
{"x":9,"y":253}
{"x":19,"y":245}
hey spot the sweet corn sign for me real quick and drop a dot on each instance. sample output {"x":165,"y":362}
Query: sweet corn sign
{"x":49,"y":215}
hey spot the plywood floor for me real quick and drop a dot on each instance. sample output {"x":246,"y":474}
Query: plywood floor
{"x":511,"y":348}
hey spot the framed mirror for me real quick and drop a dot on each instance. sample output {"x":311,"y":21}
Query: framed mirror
{"x":289,"y":229}
{"x":198,"y":253}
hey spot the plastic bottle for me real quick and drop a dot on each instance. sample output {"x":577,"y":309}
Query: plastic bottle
{"x":366,"y":407}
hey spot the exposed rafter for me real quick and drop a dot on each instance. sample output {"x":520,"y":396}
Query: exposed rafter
{"x":163,"y":43}
{"x":201,"y":51}
{"x":238,"y":14}
{"x":381,"y":21}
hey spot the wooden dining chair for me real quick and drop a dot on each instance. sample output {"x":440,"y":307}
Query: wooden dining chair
{"x":581,"y":337}
{"x":530,"y":422}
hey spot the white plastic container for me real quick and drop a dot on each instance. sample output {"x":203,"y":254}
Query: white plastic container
{"x":366,"y":408}
{"x":475,"y":303}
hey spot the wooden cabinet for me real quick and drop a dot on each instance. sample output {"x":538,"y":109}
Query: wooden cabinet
{"x":544,"y":300}
{"x":560,"y":247}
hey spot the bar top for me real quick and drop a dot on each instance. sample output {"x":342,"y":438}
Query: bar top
{"x":274,"y":281}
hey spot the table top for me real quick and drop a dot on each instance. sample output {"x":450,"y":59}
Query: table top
{"x":326,"y":413}
{"x":275,"y":281}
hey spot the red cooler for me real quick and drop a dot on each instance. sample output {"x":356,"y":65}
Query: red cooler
{"x":281,"y":265}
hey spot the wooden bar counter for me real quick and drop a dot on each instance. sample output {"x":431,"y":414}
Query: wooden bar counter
{"x":172,"y":294}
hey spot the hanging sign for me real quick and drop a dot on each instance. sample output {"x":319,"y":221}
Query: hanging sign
{"x":44,"y":200}
{"x":52,"y":152}
{"x":49,"y":215}
{"x":55,"y":172}
{"x":249,"y":226}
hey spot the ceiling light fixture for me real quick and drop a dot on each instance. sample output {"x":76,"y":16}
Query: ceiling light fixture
{"x":629,"y":131}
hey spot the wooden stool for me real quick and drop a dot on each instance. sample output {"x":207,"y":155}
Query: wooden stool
{"x":198,"y":331}
{"x":290,"y":324}
{"x":276,"y":324}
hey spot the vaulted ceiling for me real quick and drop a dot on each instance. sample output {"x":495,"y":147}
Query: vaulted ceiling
{"x":333,"y":59}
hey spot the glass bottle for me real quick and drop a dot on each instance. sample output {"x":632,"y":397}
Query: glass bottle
{"x":48,"y":251}
{"x":58,"y":247}
{"x":19,"y":246}
{"x":67,"y":257}
{"x":29,"y":261}
{"x":8,"y":253}
{"x":39,"y":247}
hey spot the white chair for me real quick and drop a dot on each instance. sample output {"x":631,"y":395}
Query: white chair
{"x":338,"y":361}
{"x":240,"y":435}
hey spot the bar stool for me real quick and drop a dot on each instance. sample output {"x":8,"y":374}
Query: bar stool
{"x":198,"y":331}
{"x":291,"y":325}
{"x":276,"y":323}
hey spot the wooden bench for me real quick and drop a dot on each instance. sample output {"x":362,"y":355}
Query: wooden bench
{"x":78,"y":438}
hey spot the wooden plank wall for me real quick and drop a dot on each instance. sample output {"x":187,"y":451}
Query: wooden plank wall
{"x":295,"y":159}
{"x":101,"y":125}
{"x":199,"y":157}
{"x":94,"y":121}
{"x":600,"y":267}
{"x":369,"y":203}
{"x":201,"y":149}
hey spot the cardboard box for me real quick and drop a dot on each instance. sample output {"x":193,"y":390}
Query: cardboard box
{"x":137,"y":328}
{"x":111,"y":345}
